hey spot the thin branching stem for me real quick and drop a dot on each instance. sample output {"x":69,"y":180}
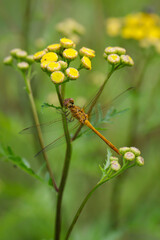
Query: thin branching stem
{"x":94,"y":101}
{"x":37,"y":123}
{"x":102,"y":181}
{"x":64,"y":173}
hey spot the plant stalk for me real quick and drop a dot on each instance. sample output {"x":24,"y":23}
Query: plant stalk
{"x":90,"y":194}
{"x":94,"y":101}
{"x":36,"y":119}
{"x":64,"y":173}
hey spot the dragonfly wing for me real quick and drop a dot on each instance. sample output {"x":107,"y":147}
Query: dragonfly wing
{"x":58,"y":141}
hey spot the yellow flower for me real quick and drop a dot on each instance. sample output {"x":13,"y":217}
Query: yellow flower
{"x":113,"y":26}
{"x":57,"y":77}
{"x":53,"y":66}
{"x":50,"y":56}
{"x":113,"y":59}
{"x":72,"y":73}
{"x":37,"y":56}
{"x":44,"y":64}
{"x":70,"y":53}
{"x":54,"y":47}
{"x":86,"y":62}
{"x":87,"y":52}
{"x":66,"y":42}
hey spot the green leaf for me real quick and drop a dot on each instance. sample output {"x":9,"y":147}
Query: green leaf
{"x":107,"y":163}
{"x":7,"y":154}
{"x":46,"y":105}
{"x":112,"y":112}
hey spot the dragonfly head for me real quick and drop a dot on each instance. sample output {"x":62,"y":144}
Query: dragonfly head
{"x":68,"y":102}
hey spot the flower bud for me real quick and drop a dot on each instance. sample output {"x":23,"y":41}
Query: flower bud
{"x":120,"y":50}
{"x":110,"y":50}
{"x":23,"y":66}
{"x":113,"y":159}
{"x":123,"y":150}
{"x":57,"y":77}
{"x":8,"y":60}
{"x":136,"y":151}
{"x":105,"y":55}
{"x":127,"y":60}
{"x":14,"y":51}
{"x":21,"y":54}
{"x":115,"y":166}
{"x":140,"y":161}
{"x":129,"y":156}
{"x":113,"y":59}
{"x":63,"y":64}
{"x":72,"y":73}
{"x":30,"y":59}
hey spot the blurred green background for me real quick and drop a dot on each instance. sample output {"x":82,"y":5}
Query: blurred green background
{"x":126,"y":208}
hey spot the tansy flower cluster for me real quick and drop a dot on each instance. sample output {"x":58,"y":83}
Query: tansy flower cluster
{"x":70,"y":29}
{"x":19,"y":58}
{"x":129,"y":154}
{"x":57,"y":58}
{"x":141,"y":26}
{"x":117,"y":57}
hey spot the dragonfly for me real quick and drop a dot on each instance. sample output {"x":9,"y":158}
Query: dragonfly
{"x":83,"y":118}
{"x":79,"y":114}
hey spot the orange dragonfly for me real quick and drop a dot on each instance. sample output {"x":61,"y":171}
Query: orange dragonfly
{"x":82,"y":117}
{"x":79,"y":114}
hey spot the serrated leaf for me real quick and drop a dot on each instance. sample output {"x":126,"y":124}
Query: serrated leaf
{"x":107,"y":161}
{"x":112,"y":112}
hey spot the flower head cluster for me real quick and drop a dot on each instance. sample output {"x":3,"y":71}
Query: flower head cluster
{"x":129,"y":154}
{"x":132,"y":154}
{"x":142,"y":26}
{"x":20,"y":58}
{"x":57,"y":58}
{"x":117,"y":57}
{"x":70,"y":29}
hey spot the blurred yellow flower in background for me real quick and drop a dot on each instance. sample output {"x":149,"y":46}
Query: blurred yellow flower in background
{"x":142,"y":26}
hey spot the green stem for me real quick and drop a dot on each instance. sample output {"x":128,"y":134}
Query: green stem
{"x":64,"y":173}
{"x":90,"y":194}
{"x":26,"y":24}
{"x":94,"y":101}
{"x":135,"y":101}
{"x":37,"y":123}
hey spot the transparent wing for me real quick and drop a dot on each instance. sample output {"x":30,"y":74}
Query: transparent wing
{"x":58,"y":141}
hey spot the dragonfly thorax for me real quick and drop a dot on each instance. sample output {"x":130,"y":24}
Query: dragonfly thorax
{"x":76,"y":111}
